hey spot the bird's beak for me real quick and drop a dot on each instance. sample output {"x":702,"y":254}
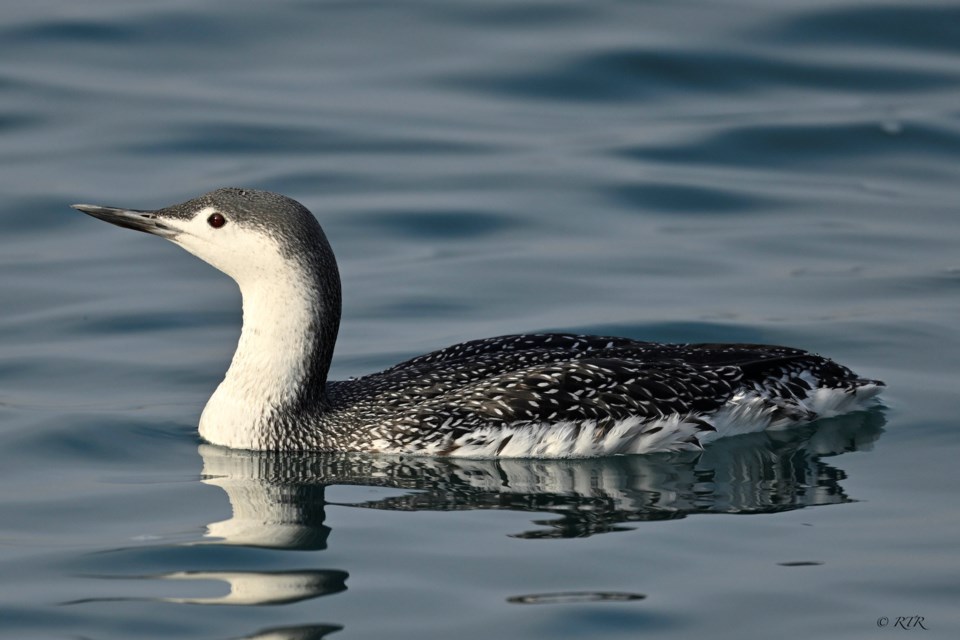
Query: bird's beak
{"x":146,"y":221}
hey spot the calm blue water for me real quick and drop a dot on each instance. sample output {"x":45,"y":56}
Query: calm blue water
{"x":783,"y":172}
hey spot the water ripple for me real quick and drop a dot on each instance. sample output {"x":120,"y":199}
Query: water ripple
{"x":658,"y":75}
{"x":794,"y":145}
{"x":914,"y":25}
{"x":251,"y":138}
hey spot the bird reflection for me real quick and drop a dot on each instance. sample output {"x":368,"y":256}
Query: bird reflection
{"x":307,"y":632}
{"x":278,"y":499}
{"x":264,"y":587}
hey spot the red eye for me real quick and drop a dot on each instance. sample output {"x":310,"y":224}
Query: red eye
{"x":216,"y":220}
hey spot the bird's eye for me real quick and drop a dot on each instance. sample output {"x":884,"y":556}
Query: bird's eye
{"x":216,"y":220}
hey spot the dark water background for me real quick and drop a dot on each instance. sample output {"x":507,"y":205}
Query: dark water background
{"x":783,"y":172}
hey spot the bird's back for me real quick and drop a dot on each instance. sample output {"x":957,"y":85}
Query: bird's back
{"x":573,"y":395}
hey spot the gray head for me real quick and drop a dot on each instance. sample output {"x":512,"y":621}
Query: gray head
{"x":275,"y":250}
{"x":242,"y":232}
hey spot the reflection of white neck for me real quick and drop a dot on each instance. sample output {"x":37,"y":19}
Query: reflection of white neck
{"x":264,"y":513}
{"x":271,"y":362}
{"x":261,"y":517}
{"x":247,"y":588}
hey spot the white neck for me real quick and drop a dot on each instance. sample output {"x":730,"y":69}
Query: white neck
{"x":272,"y":361}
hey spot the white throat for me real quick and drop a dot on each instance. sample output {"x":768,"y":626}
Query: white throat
{"x":272,"y":360}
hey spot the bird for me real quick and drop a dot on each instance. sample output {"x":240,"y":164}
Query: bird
{"x":539,"y":395}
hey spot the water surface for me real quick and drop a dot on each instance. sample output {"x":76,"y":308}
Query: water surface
{"x":721,"y":171}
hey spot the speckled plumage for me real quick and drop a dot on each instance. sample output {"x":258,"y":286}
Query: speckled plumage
{"x":453,"y":401}
{"x":535,"y":395}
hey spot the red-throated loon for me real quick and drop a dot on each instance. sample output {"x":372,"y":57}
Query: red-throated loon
{"x":536,"y":395}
